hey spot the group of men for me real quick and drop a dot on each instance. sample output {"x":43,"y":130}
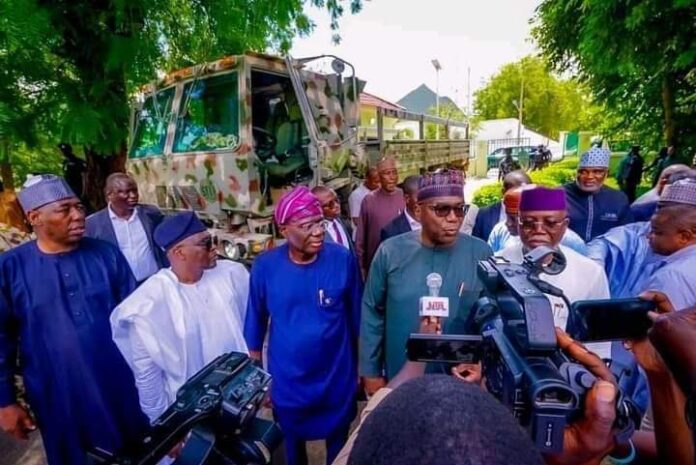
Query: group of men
{"x":111,"y":314}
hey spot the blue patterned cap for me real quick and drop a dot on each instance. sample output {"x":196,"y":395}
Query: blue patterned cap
{"x":175,"y":229}
{"x":595,"y":158}
{"x":682,"y":191}
{"x":43,"y":189}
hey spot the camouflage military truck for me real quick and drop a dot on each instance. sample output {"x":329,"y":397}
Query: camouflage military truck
{"x":226,"y":138}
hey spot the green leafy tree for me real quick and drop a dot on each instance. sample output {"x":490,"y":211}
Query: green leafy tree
{"x":67,"y":67}
{"x":549,"y":104}
{"x":637,"y":56}
{"x":447,"y":111}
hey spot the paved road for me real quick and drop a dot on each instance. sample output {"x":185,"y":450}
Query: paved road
{"x":473,"y":184}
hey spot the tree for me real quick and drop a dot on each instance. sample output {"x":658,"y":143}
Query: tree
{"x":67,"y":67}
{"x":637,"y":56}
{"x":550,"y":104}
{"x":447,"y":111}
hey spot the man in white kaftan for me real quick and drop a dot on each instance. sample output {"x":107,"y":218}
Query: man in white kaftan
{"x":183,"y":317}
{"x":543,"y":220}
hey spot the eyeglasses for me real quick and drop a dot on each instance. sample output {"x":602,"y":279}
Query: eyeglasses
{"x":443,"y":211}
{"x":389,"y":172}
{"x":547,"y":224}
{"x":311,"y":226}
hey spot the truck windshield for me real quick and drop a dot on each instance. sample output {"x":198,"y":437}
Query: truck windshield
{"x":151,"y":124}
{"x":209,"y":116}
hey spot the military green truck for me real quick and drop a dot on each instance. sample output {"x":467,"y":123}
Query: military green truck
{"x":228,"y":137}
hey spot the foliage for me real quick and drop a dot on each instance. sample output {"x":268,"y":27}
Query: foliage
{"x":41,"y":158}
{"x":488,"y":195}
{"x":549,"y":105}
{"x":404,"y":134}
{"x":67,"y":67}
{"x":447,"y":111}
{"x":638,"y":57}
{"x":554,"y":175}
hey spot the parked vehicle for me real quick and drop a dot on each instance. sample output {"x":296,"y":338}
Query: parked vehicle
{"x":227,"y":138}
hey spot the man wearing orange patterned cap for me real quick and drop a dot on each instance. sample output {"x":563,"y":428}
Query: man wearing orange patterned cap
{"x":310,"y":290}
{"x":505,"y":233}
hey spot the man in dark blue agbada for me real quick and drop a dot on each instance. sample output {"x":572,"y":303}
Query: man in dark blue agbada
{"x":594,"y":208}
{"x":56,"y":295}
{"x":310,"y":289}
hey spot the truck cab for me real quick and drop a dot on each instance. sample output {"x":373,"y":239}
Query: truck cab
{"x":228,"y":137}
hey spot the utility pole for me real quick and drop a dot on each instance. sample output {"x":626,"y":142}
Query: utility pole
{"x":468,"y":93}
{"x":438,"y":67}
{"x":520,"y":111}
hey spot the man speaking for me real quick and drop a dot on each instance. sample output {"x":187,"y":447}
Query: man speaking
{"x":403,"y":273}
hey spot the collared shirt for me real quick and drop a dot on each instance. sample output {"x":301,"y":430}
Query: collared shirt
{"x":415,"y":225}
{"x":676,"y":278}
{"x":132,"y":240}
{"x":355,"y":200}
{"x":335,"y":230}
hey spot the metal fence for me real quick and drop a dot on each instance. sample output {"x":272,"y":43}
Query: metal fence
{"x":494,"y":144}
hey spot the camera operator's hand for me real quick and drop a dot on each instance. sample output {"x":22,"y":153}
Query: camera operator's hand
{"x":16,"y":422}
{"x":590,"y":439}
{"x":646,"y":355}
{"x":428,"y":325}
{"x":673,"y":336}
{"x":668,"y":358}
{"x":468,"y":372}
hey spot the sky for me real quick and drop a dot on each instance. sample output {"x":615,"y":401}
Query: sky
{"x":391,"y":42}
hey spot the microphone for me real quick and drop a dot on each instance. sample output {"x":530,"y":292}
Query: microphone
{"x":433,"y":304}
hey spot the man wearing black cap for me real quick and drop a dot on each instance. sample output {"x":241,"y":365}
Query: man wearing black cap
{"x":397,"y":278}
{"x":56,"y":295}
{"x":183,"y":317}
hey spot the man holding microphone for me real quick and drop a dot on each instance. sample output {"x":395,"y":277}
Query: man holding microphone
{"x":402,"y":279}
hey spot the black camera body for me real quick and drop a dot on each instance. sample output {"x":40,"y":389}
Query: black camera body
{"x":218,"y":407}
{"x":522,"y":364}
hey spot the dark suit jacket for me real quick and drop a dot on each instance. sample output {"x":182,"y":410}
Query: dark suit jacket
{"x":98,"y":226}
{"x":486,"y":219}
{"x":398,"y":225}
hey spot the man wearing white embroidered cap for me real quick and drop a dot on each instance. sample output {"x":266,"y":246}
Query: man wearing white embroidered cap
{"x":673,"y":234}
{"x":593,"y":208}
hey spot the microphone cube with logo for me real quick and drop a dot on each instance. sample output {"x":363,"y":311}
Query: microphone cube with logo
{"x":433,"y":304}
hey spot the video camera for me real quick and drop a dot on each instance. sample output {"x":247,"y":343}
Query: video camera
{"x":218,"y":406}
{"x":522,"y":364}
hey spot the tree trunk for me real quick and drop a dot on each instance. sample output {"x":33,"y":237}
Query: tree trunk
{"x":668,"y":109}
{"x":99,"y":167}
{"x":5,"y":166}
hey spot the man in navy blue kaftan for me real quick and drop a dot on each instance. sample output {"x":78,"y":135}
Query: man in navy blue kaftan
{"x":311,"y":291}
{"x":56,"y":295}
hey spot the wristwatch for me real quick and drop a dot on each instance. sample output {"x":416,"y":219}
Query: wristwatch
{"x":624,"y":460}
